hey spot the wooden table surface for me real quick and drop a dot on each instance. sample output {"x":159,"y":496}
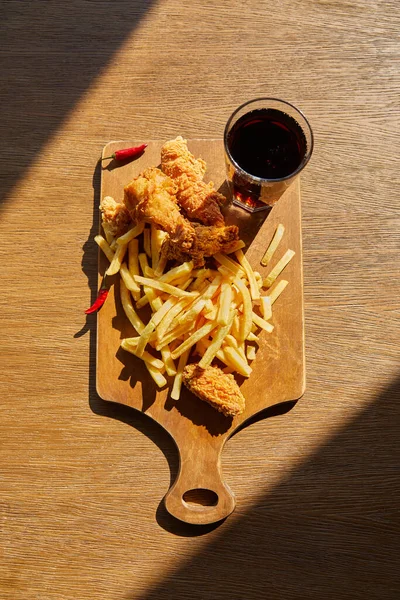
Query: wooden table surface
{"x":81,"y":481}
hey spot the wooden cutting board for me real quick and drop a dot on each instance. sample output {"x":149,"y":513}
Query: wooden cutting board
{"x":198,"y":430}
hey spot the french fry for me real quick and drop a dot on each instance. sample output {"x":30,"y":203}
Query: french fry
{"x":128,"y":279}
{"x":191,"y":340}
{"x":173,"y":335}
{"x":251,"y":353}
{"x":176,"y":389}
{"x":254,"y":289}
{"x":216,"y":343}
{"x":262,"y":323}
{"x":229,"y":264}
{"x":192,"y":313}
{"x":161,"y":312}
{"x":277,"y":291}
{"x":238,"y":246}
{"x":266,"y":307}
{"x":225,"y":300}
{"x":144,"y":263}
{"x":117,"y":260}
{"x":131,"y":347}
{"x":109,"y":236}
{"x":246,"y":318}
{"x":156,"y":375}
{"x":130,"y":234}
{"x":162,"y":263}
{"x":177,"y":272}
{"x":133,"y":262}
{"x":280,"y":230}
{"x":277,"y":270}
{"x":169,"y":317}
{"x":252,"y":337}
{"x":130,"y":312}
{"x":103,"y":244}
{"x":164,"y":287}
{"x":232,"y":358}
{"x":147,"y":241}
{"x":167,"y":360}
{"x":157,"y":238}
{"x":144,"y":338}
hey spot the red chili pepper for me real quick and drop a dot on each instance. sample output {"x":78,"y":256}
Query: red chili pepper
{"x":101,"y":298}
{"x":127,"y":153}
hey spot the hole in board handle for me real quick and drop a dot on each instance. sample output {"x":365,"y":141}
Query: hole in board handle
{"x":200,"y":497}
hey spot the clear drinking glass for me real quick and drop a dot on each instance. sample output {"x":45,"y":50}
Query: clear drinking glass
{"x":268,"y":142}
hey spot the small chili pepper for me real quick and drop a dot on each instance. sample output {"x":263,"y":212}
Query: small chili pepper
{"x":101,"y":298}
{"x":127,"y":153}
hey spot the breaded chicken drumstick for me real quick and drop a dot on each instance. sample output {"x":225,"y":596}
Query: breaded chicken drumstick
{"x":215,"y":387}
{"x":199,"y":200}
{"x":151,"y":198}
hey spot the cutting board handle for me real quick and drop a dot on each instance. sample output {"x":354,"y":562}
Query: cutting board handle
{"x":199,"y":478}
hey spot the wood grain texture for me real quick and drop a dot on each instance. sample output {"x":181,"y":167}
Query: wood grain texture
{"x":318,"y":486}
{"x":278,"y":375}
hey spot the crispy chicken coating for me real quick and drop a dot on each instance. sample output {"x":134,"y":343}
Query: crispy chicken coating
{"x":208,"y":240}
{"x":215,"y":387}
{"x":151,"y":198}
{"x":199,"y":200}
{"x":115,"y":217}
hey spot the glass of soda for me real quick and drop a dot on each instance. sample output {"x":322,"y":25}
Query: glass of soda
{"x":268,"y":142}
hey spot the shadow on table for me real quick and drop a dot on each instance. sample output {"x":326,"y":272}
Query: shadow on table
{"x":45,"y":73}
{"x":329,"y":530}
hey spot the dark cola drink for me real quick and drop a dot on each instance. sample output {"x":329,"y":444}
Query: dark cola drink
{"x":265,"y":149}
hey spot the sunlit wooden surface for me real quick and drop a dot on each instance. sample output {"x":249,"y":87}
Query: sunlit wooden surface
{"x":80,"y":481}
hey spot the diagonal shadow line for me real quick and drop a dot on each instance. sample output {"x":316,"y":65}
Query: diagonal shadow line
{"x":45,"y":73}
{"x":329,"y":530}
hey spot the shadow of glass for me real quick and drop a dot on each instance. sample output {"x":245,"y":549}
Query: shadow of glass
{"x":48,"y":71}
{"x":330,"y":529}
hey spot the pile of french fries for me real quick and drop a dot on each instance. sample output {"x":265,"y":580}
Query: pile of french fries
{"x":210,"y":312}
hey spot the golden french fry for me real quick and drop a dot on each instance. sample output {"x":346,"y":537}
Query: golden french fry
{"x":167,"y":360}
{"x":238,"y":246}
{"x":116,"y":262}
{"x":133,"y":262}
{"x":174,"y":334}
{"x":216,"y":343}
{"x":225,"y":300}
{"x":162,"y":263}
{"x":147,"y":241}
{"x":262,"y":323}
{"x":156,"y":375}
{"x":232,"y":358}
{"x":252,"y":337}
{"x":144,"y":338}
{"x":128,"y":279}
{"x":251,"y":353}
{"x":176,"y":389}
{"x":277,"y":270}
{"x":130,"y":234}
{"x":254,"y":289}
{"x":130,"y":312}
{"x":280,"y":230}
{"x":193,"y":339}
{"x":107,"y":233}
{"x":246,"y":318}
{"x":177,"y":272}
{"x":193,"y":311}
{"x":164,"y":287}
{"x":168,"y":318}
{"x":103,"y":244}
{"x":277,"y":291}
{"x":266,"y":307}
{"x":229,"y":264}
{"x":131,"y":347}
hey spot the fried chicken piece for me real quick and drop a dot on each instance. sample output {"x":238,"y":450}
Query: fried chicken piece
{"x":215,"y":387}
{"x":115,"y":217}
{"x":208,"y":240}
{"x":151,"y":198}
{"x":199,"y":200}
